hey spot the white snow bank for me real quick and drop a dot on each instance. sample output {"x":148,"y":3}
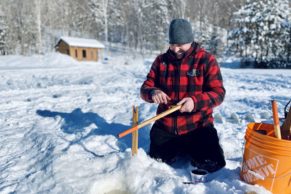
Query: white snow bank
{"x":49,"y":60}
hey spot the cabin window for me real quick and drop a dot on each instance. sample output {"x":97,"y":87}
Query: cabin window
{"x":76,"y":53}
{"x":84,"y":53}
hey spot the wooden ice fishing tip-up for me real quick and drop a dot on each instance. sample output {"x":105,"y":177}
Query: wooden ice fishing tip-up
{"x":136,"y":126}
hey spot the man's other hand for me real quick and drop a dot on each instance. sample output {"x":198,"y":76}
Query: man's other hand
{"x":159,"y":97}
{"x":187,"y":104}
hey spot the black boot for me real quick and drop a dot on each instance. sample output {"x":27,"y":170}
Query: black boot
{"x":207,"y":165}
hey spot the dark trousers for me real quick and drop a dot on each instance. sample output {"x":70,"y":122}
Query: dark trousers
{"x":201,"y":144}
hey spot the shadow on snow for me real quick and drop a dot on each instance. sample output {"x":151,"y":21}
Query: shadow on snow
{"x":76,"y":122}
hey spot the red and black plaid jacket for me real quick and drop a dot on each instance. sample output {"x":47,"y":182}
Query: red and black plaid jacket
{"x":197,"y":76}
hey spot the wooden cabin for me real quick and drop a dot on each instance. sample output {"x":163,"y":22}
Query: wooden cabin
{"x":80,"y":48}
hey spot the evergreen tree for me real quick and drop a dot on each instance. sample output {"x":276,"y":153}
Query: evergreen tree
{"x":259,"y":32}
{"x":286,"y":38}
{"x":276,"y":16}
{"x":155,"y":24}
{"x":246,"y":28}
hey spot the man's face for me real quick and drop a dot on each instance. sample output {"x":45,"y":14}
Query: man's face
{"x":180,"y":49}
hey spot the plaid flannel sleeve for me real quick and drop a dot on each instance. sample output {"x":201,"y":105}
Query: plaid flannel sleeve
{"x":149,"y":85}
{"x":213,"y":90}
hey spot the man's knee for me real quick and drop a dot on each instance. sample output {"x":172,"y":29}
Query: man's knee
{"x":165,"y":152}
{"x":210,"y":150}
{"x":162,"y":145}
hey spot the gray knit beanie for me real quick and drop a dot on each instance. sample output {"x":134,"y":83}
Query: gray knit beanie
{"x":180,"y":32}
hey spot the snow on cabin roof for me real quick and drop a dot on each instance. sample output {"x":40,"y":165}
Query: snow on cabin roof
{"x":82,"y":42}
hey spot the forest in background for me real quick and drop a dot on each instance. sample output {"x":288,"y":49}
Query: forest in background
{"x":257,"y":31}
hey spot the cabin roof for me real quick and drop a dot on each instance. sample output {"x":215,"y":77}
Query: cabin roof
{"x":81,"y":42}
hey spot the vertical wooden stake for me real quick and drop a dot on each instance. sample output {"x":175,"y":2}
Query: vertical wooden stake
{"x":276,"y":120}
{"x":134,"y":148}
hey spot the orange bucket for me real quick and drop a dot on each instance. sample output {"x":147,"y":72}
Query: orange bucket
{"x":266,"y":160}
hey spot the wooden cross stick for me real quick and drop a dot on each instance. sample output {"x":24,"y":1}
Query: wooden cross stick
{"x":144,"y":123}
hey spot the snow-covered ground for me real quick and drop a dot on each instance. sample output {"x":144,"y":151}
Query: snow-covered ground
{"x":59,"y":119}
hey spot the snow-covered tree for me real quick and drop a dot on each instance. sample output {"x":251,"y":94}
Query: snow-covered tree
{"x":259,"y":31}
{"x":275,"y":15}
{"x":3,"y":28}
{"x":34,"y":26}
{"x":38,"y":7}
{"x":99,"y":10}
{"x":23,"y":25}
{"x":215,"y":42}
{"x":247,"y":27}
{"x":146,"y":24}
{"x":66,"y":18}
{"x":155,"y":24}
{"x":177,"y":8}
{"x":286,"y":40}
{"x":117,"y":20}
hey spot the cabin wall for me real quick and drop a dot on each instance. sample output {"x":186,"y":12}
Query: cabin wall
{"x":63,"y":48}
{"x":85,"y":54}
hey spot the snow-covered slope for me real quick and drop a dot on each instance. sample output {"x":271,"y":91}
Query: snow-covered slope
{"x":59,"y":120}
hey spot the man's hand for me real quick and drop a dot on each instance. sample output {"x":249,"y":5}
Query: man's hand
{"x":159,"y":97}
{"x":187,"y":104}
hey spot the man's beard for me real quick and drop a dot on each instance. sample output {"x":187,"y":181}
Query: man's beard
{"x":180,"y":54}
